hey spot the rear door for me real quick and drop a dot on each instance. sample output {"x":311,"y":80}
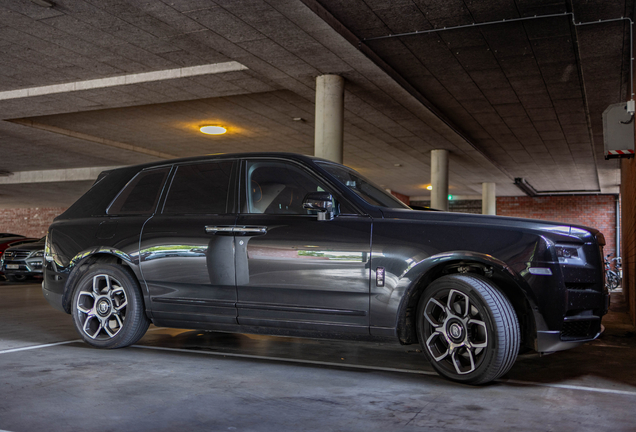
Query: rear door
{"x":186,"y":249}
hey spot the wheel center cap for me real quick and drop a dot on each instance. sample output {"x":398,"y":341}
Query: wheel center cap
{"x":456,"y":331}
{"x":103,"y":307}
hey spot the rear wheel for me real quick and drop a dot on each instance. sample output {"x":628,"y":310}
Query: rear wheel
{"x":107,"y":307}
{"x":468,"y":329}
{"x":612,"y":280}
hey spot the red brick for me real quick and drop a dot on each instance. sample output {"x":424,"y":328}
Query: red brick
{"x":30,"y":222}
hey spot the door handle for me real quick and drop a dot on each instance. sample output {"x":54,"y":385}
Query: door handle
{"x":231,"y":230}
{"x":250,"y":230}
{"x":219,"y":230}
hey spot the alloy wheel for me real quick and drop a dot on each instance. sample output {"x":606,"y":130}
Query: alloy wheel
{"x":455,"y":332}
{"x":101,"y":307}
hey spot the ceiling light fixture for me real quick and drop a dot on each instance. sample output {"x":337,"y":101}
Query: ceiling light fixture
{"x":213,"y":130}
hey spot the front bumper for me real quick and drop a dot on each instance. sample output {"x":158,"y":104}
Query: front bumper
{"x":29,"y":267}
{"x":550,"y":341}
{"x":577,"y":329}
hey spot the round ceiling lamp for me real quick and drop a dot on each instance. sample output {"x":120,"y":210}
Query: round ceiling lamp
{"x":213,"y":130}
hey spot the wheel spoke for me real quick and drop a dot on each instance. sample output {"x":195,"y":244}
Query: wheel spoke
{"x":96,"y":283}
{"x":455,"y":304}
{"x":430,"y":306}
{"x":458,"y":364}
{"x":483,"y":332}
{"x":118,"y":298}
{"x":433,"y":346}
{"x":81,"y":305}
{"x":107,"y":329}
{"x":87,"y":325}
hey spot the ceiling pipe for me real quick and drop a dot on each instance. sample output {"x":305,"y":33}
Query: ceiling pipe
{"x":529,"y":190}
{"x":503,"y":21}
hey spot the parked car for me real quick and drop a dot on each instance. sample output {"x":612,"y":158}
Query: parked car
{"x":286,"y":244}
{"x":7,"y":240}
{"x":23,"y":260}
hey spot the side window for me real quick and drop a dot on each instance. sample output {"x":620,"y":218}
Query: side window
{"x":278,"y":188}
{"x":141,"y":194}
{"x":201,"y":188}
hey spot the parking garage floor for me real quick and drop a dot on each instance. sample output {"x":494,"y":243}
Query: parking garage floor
{"x":186,"y":380}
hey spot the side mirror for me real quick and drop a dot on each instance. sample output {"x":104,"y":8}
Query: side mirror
{"x":322,"y":202}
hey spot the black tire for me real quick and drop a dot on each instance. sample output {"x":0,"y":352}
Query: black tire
{"x":612,"y":280}
{"x":468,"y":329}
{"x":108,"y":308}
{"x":17,"y":278}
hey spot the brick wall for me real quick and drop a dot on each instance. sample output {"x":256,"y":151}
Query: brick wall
{"x":596,"y":211}
{"x":404,"y":198}
{"x":458,"y":206}
{"x":628,"y":213}
{"x":30,"y":222}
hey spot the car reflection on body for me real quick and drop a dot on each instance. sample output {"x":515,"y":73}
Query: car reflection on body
{"x":286,"y":244}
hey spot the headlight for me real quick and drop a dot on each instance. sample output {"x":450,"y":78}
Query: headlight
{"x":48,"y":256}
{"x":570,"y":254}
{"x":38,"y":254}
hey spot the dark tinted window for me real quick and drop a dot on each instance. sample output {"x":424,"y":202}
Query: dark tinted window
{"x":278,"y":188}
{"x":200,"y":188}
{"x":364,"y":188}
{"x":141,"y":194}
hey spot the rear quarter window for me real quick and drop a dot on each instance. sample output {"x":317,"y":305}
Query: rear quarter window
{"x":200,"y":189}
{"x":141,"y":194}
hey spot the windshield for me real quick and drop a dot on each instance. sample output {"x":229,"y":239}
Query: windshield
{"x":364,"y":188}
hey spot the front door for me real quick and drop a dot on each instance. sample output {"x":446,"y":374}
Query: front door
{"x":187,"y":248}
{"x":293,"y":270}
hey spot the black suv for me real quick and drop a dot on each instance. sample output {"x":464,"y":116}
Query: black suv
{"x":286,"y":244}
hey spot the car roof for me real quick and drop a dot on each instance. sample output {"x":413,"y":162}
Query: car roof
{"x":221,"y":156}
{"x":3,"y":235}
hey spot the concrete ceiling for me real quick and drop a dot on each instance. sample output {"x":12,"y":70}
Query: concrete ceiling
{"x":89,"y":83}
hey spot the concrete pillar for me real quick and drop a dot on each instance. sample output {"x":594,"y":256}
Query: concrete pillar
{"x":439,"y":179}
{"x":329,"y":117}
{"x":488,"y":199}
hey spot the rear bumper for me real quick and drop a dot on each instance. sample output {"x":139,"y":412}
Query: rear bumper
{"x":53,"y":289}
{"x":54,"y":298}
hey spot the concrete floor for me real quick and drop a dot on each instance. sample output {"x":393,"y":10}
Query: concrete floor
{"x":190,"y":381}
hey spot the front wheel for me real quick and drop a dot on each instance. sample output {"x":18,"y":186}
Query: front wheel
{"x":107,"y":307}
{"x":468,"y":329}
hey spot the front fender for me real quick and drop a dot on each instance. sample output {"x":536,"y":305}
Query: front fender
{"x":395,"y":304}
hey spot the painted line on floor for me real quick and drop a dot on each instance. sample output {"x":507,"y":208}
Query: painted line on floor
{"x":387,"y":369}
{"x":313,"y":362}
{"x":569,"y":387}
{"x":32,"y":347}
